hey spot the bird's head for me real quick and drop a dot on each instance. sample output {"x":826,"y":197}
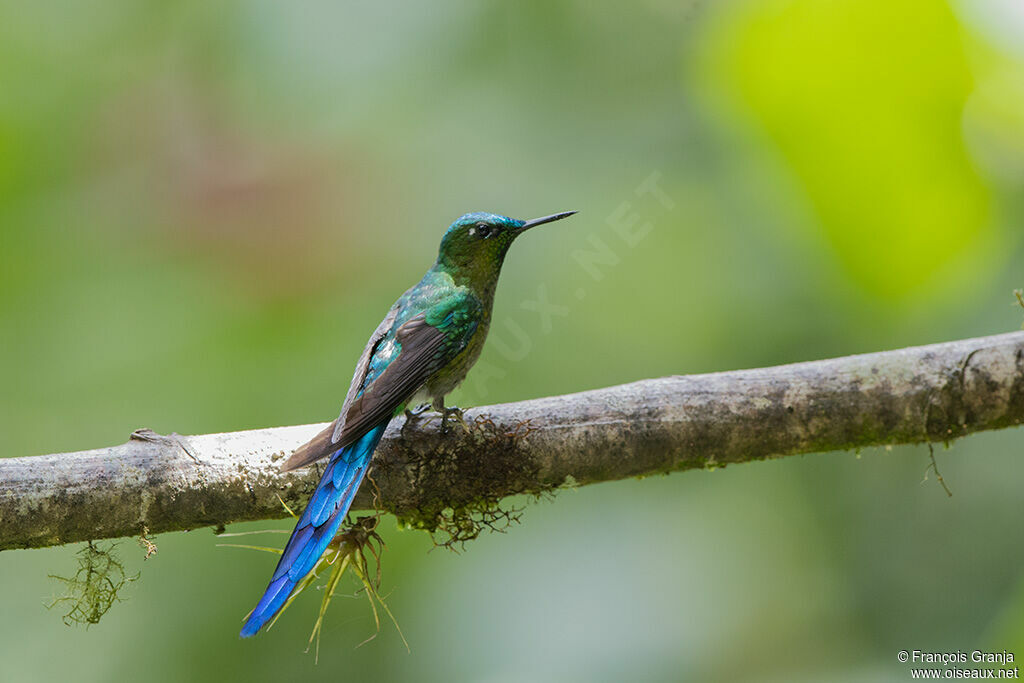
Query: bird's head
{"x":476,"y":243}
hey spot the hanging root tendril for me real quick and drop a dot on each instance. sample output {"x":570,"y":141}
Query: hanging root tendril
{"x":348,"y":550}
{"x":94,"y":588}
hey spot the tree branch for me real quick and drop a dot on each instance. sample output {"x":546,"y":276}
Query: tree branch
{"x":929,"y":393}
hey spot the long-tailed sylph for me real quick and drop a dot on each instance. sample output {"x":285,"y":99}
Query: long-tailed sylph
{"x":423,"y":349}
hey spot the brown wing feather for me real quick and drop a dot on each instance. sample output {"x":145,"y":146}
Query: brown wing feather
{"x":417,"y":360}
{"x":361,"y":367}
{"x":316,"y":448}
{"x":325,"y":443}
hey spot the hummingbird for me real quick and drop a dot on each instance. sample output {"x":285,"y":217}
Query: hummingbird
{"x":421,"y":351}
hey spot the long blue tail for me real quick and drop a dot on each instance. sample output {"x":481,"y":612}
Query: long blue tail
{"x":317,"y":526}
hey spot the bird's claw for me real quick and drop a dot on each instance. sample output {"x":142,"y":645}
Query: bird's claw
{"x":453,"y":413}
{"x":412,"y":417}
{"x":417,"y":411}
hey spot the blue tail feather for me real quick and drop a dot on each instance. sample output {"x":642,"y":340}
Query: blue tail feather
{"x":317,"y":526}
{"x":322,"y":502}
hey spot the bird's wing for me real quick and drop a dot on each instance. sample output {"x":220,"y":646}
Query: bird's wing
{"x":425,"y":343}
{"x":359,"y":376}
{"x":323,"y":444}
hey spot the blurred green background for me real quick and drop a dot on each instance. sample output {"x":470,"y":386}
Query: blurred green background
{"x":205,"y":209}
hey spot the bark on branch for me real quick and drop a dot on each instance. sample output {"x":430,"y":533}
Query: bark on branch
{"x":929,"y":393}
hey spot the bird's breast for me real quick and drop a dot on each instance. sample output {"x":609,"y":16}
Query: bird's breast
{"x":444,"y":381}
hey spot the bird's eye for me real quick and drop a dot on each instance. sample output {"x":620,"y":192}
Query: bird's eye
{"x":483,"y":230}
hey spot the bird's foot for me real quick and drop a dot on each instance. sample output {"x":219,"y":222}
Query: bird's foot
{"x":418,"y":410}
{"x":452,"y":413}
{"x":413,"y":417}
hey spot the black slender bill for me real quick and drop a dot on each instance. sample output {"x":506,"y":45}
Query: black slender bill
{"x":546,"y":219}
